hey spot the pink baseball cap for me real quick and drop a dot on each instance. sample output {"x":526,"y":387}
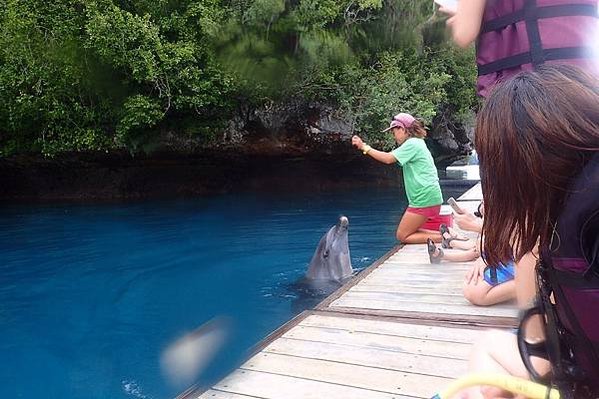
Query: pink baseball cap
{"x":401,"y":120}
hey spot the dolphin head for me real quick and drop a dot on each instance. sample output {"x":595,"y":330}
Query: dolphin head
{"x":331,"y":260}
{"x":342,"y":223}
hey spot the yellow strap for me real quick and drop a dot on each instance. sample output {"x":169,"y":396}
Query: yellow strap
{"x":510,"y":383}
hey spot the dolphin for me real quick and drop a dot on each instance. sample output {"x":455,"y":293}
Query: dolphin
{"x":331,"y":261}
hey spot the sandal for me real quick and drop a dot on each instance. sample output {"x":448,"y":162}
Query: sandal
{"x":432,"y":248}
{"x":446,"y":242}
{"x":477,"y":213}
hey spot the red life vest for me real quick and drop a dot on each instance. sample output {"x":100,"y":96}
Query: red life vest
{"x":517,"y":35}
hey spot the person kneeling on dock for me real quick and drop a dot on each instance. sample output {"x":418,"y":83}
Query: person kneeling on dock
{"x":421,"y":218}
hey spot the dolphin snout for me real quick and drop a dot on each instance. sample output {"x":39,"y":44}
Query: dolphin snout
{"x":343,"y":221}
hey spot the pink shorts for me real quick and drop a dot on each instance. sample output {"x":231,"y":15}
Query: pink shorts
{"x":433,"y":219}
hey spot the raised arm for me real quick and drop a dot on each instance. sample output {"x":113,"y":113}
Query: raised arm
{"x":381,"y":156}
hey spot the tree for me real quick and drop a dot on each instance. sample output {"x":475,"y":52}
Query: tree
{"x":104,"y":74}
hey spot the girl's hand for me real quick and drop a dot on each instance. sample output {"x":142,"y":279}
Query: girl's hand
{"x":467,"y":221}
{"x":476,"y":273}
{"x":357,"y":142}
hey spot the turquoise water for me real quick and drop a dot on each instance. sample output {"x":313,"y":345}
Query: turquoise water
{"x":90,"y":295}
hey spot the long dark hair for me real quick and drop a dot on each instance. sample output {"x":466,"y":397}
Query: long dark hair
{"x":534,"y":134}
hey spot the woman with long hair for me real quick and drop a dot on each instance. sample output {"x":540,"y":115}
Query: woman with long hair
{"x":537,"y":139}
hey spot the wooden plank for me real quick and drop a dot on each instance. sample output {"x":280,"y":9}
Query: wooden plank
{"x":431,"y":276}
{"x":371,"y":357}
{"x":427,"y":269}
{"x":396,"y":382}
{"x":279,"y":332}
{"x":404,"y":273}
{"x":349,"y":301}
{"x":427,"y":317}
{"x":400,"y":283}
{"x":214,"y":394}
{"x":399,"y":270}
{"x":436,"y":297}
{"x":411,"y":249}
{"x":431,"y":286}
{"x":380,"y":341}
{"x":394,"y":328}
{"x":421,"y":258}
{"x":432,"y":283}
{"x":273,"y":386}
{"x":407,"y":288}
{"x":383,"y":279}
{"x":432,"y":280}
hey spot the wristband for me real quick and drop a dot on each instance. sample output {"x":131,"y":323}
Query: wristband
{"x":366,"y":148}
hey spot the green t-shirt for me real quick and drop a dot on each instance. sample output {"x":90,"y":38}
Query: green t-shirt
{"x":419,"y":173}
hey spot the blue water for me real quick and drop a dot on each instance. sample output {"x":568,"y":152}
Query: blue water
{"x":90,"y":295}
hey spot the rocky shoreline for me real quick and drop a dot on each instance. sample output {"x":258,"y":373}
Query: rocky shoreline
{"x":275,"y":150}
{"x":83,"y":177}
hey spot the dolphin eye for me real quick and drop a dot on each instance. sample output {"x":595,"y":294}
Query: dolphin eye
{"x":325,"y":254}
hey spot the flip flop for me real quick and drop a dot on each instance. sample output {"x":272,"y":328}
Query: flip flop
{"x":446,"y":242}
{"x":477,"y":213}
{"x":431,"y":251}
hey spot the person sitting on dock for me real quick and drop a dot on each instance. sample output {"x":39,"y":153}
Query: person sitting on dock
{"x":483,"y":285}
{"x":538,"y":141}
{"x":421,"y":219}
{"x":470,"y":221}
{"x":456,"y":248}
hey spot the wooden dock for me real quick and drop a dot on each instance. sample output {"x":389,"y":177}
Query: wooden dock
{"x":400,"y":329}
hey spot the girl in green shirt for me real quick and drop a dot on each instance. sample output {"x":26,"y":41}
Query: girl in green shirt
{"x":421,"y":219}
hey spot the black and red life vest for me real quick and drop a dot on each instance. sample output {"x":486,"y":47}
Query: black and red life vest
{"x":569,"y":289}
{"x":517,"y":35}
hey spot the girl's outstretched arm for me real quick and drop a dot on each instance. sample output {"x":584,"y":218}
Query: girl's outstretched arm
{"x":381,"y":156}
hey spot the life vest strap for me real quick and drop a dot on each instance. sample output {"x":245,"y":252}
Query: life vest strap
{"x":565,"y":10}
{"x":575,"y":280}
{"x":551,"y":54}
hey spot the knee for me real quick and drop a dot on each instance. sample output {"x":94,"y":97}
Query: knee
{"x":401,"y":235}
{"x":474,"y":295}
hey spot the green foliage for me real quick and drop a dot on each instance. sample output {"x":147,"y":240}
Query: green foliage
{"x":94,"y":75}
{"x":403,"y":82}
{"x":139,"y":115}
{"x":409,"y":81}
{"x":73,"y":74}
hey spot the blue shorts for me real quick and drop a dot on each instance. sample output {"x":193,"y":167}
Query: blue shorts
{"x":505,"y":273}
